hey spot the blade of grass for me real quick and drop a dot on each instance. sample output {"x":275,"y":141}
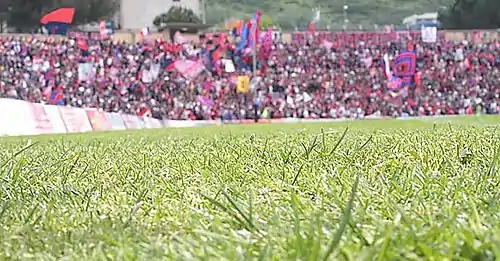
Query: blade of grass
{"x":338,"y":142}
{"x":346,"y":216}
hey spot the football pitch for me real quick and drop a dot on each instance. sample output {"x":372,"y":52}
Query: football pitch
{"x":358,"y":190}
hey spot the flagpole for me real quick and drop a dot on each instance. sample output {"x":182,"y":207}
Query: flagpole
{"x":254,"y":58}
{"x":255,"y":42}
{"x":254,"y":67}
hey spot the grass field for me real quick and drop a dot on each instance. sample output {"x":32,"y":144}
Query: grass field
{"x":367,"y":190}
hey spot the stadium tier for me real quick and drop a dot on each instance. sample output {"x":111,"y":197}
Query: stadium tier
{"x":310,"y":77}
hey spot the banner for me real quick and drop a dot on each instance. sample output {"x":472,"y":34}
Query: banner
{"x":144,"y":123}
{"x":43,"y":125}
{"x":155,"y":123}
{"x":131,"y":122}
{"x":55,"y":117}
{"x":85,"y":72}
{"x":243,"y":85}
{"x":228,"y":65}
{"x":98,"y":120}
{"x":75,"y":119}
{"x":16,"y":118}
{"x":150,"y":75}
{"x":429,"y":34}
{"x":33,"y":119}
{"x":116,"y":121}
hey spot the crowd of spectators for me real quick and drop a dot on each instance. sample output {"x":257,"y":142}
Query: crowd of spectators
{"x":312,"y":78}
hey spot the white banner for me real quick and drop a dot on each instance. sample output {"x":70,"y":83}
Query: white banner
{"x":143,"y":123}
{"x":429,"y":34}
{"x":75,"y":119}
{"x":55,"y":117}
{"x":148,"y":76}
{"x":155,"y":123}
{"x":85,"y":72}
{"x":24,"y":118}
{"x":131,"y":122}
{"x":43,"y":125}
{"x":116,"y":121}
{"x":16,"y":118}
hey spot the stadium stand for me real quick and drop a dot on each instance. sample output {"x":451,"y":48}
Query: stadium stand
{"x":313,"y":76}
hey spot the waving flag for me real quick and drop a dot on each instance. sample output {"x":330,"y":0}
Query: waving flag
{"x":189,"y":69}
{"x":405,"y":65}
{"x":254,"y":36}
{"x":103,"y":32}
{"x":206,"y":101}
{"x":83,"y":46}
{"x":144,"y":32}
{"x":243,"y":38}
{"x":403,"y":70}
{"x":393,"y":81}
{"x":57,"y":21}
{"x":250,"y":33}
{"x":311,"y":27}
{"x":57,"y":97}
{"x":387,"y":66}
{"x":327,"y":44}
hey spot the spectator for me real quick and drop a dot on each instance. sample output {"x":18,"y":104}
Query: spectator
{"x":308,"y":78}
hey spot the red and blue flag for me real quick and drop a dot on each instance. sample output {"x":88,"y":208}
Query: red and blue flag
{"x":243,"y":38}
{"x":250,"y":33}
{"x":57,"y":97}
{"x":405,"y":65}
{"x":402,"y":70}
{"x":255,"y":35}
{"x":58,"y":21}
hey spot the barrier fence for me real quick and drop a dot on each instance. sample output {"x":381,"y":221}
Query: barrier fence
{"x":35,"y":119}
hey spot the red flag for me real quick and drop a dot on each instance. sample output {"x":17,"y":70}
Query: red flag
{"x":61,"y":15}
{"x":311,"y":27}
{"x":82,"y":44}
{"x":222,"y":40}
{"x":257,"y":24}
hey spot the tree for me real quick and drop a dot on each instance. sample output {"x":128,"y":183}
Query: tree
{"x":88,"y":11}
{"x":5,"y":5}
{"x":25,"y":15}
{"x":291,"y":14}
{"x":265,"y":22}
{"x":176,"y":14}
{"x":471,"y":14}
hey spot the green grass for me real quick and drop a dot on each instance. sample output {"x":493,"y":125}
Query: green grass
{"x":368,"y":190}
